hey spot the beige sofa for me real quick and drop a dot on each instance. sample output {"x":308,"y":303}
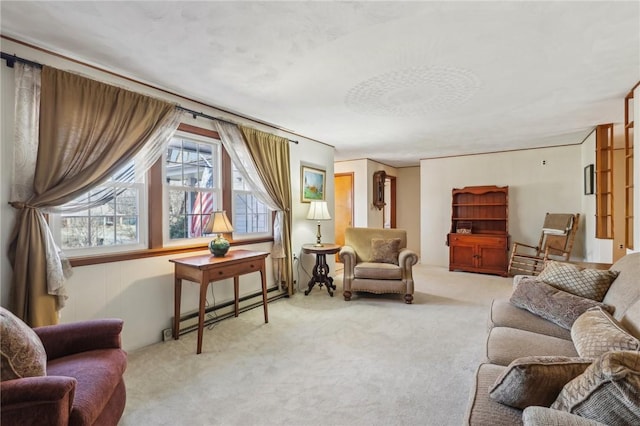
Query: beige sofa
{"x":515,"y":333}
{"x":377,"y":260}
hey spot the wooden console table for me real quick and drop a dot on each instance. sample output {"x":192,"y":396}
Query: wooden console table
{"x":206,"y":268}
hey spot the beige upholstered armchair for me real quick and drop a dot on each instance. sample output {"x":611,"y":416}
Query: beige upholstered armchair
{"x":377,"y":261}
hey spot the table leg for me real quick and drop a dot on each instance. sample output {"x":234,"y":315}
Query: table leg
{"x":315,"y":276}
{"x":264,"y":292}
{"x":203,"y":298}
{"x":177,"y":293}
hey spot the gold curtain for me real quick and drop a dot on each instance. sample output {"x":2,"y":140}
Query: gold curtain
{"x":88,"y":130}
{"x":271,"y":156}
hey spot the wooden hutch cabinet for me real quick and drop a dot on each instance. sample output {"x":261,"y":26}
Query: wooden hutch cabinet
{"x":479,"y":237}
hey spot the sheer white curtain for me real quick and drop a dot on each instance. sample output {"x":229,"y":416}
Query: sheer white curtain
{"x":234,"y":143}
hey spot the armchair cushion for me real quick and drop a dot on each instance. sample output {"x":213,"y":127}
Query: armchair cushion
{"x":21,"y":351}
{"x":385,"y":250}
{"x":583,"y":282}
{"x":377,"y":271}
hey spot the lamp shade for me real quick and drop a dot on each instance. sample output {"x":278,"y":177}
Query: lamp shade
{"x":318,"y":211}
{"x":218,"y":223}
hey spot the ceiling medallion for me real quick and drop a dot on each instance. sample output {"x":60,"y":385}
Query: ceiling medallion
{"x":413,"y":91}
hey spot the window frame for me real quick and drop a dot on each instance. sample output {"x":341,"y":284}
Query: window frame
{"x":154,"y":196}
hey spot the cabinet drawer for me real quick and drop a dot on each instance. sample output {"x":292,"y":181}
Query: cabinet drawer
{"x":464,"y":239}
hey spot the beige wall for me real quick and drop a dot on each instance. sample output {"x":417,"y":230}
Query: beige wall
{"x":141,"y":291}
{"x":408,"y":205}
{"x":534,"y":189}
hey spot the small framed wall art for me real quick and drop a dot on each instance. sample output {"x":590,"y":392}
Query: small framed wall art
{"x":312,"y":184}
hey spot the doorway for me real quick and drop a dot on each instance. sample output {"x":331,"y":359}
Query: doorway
{"x":343,"y":184}
{"x":389,"y":211}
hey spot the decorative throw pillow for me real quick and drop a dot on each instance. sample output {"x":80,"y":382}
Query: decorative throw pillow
{"x":536,"y":380}
{"x":607,"y":391}
{"x":550,"y":303}
{"x":596,"y":332}
{"x":21,"y":351}
{"x":385,"y":250}
{"x":589,"y":283}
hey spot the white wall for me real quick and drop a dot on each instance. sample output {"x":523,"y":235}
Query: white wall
{"x":534,"y":189}
{"x":141,"y":291}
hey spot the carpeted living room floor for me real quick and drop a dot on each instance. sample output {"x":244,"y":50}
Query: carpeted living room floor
{"x":323,"y":361}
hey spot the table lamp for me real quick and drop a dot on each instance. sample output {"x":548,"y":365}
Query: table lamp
{"x":318,"y":211}
{"x":218,"y":223}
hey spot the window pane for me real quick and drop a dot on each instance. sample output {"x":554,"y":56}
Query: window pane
{"x":74,"y":232}
{"x":250,"y":215}
{"x":198,"y":177}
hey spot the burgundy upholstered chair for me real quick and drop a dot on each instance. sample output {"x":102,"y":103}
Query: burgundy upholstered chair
{"x":84,"y":382}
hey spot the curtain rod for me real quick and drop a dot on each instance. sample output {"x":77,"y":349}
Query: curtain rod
{"x":12,"y":59}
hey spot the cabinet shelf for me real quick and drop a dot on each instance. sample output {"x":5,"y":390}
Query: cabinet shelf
{"x":479,"y":218}
{"x":477,"y":204}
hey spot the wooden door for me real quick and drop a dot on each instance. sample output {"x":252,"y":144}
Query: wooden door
{"x":343,"y":184}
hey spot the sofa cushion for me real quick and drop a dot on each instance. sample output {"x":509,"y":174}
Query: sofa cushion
{"x":21,"y":351}
{"x":624,"y":290}
{"x":506,"y":344}
{"x":380,"y":271}
{"x":504,"y":314}
{"x":551,"y":303}
{"x":482,"y":410}
{"x":536,"y":380}
{"x":607,"y":391}
{"x":596,"y":332}
{"x":584,"y":282}
{"x":385,"y":250}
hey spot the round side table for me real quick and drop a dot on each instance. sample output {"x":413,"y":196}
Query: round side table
{"x":321,"y":269}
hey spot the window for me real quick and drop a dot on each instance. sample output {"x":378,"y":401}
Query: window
{"x":192,"y":179}
{"x":101,"y":227}
{"x":250,"y":216}
{"x":167,"y":210}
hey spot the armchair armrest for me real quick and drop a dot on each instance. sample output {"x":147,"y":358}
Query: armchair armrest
{"x":66,"y":339}
{"x":33,"y":400}
{"x":348,"y":256}
{"x":407,"y":258}
{"x":516,"y":245}
{"x":543,"y":416}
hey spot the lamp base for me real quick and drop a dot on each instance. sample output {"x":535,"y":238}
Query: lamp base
{"x":219,"y":246}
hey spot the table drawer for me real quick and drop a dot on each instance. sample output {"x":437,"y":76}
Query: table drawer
{"x":233,"y":270}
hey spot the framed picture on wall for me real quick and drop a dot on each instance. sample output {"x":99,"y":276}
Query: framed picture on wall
{"x":588,"y":180}
{"x":312,"y":184}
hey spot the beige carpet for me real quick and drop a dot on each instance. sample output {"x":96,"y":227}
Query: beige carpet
{"x":324,"y":361}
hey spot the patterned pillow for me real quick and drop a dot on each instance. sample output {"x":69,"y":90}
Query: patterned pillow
{"x":385,"y":250}
{"x":21,"y":351}
{"x":596,"y":332}
{"x":536,"y":380}
{"x":607,"y":391}
{"x":550,"y":303}
{"x":590,"y":283}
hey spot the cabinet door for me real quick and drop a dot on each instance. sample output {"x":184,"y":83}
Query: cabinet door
{"x":492,"y":258}
{"x":462,"y":253}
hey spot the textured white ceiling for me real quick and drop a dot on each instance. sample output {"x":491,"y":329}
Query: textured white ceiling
{"x":390,"y":81}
